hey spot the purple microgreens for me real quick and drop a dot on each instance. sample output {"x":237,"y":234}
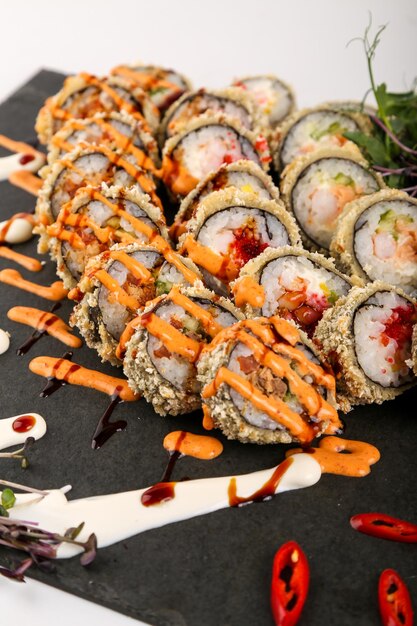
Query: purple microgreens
{"x":17,"y":573}
{"x":40,"y":544}
{"x":20,"y":454}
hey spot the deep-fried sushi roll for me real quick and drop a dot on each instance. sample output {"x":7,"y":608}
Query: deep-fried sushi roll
{"x":366,"y":337}
{"x":203,"y":146}
{"x":230,"y":228}
{"x":162,"y":85}
{"x":116,"y":130}
{"x":274,"y":97}
{"x":263,"y":383}
{"x":86,"y":166}
{"x":292,"y":283}
{"x":316,"y":188}
{"x":310,"y":130}
{"x":161,"y":356}
{"x":116,"y":285}
{"x":245,"y":176}
{"x":376,"y":239}
{"x":94,"y":220}
{"x":231,"y":102}
{"x":85,"y":95}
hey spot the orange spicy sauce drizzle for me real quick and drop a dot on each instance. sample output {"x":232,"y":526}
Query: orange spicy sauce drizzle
{"x":62,"y":369}
{"x":59,"y":113}
{"x":56,"y":291}
{"x":248,"y":291}
{"x":197,"y":446}
{"x":208,"y":423}
{"x":173,"y":339}
{"x":26,"y":180}
{"x":177,"y":177}
{"x":311,"y":400}
{"x":45,"y":321}
{"x":6,"y":227}
{"x":121,"y":141}
{"x":144,"y":80}
{"x":221,"y":267}
{"x":265,"y":492}
{"x":19,"y":147}
{"x":360,"y":456}
{"x":31,"y":264}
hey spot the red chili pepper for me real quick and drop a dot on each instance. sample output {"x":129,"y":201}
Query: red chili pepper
{"x":394,"y":600}
{"x":385,"y":527}
{"x":289,"y":585}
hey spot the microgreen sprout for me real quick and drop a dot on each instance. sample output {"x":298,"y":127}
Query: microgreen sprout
{"x":20,"y":454}
{"x":392,"y":147}
{"x":41,"y":545}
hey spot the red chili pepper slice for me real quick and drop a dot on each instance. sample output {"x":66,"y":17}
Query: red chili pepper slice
{"x":385,"y":527}
{"x":289,"y":585}
{"x":394,"y":600}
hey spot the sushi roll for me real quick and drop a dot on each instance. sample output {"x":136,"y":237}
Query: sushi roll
{"x":263,"y":383}
{"x":376,"y":239}
{"x":161,"y":356}
{"x":315,"y":189}
{"x":246,"y":176}
{"x":292,"y":283}
{"x":310,"y":130}
{"x":116,"y":130}
{"x":85,"y":166}
{"x":162,"y":85}
{"x":94,"y":220}
{"x":203,"y":146}
{"x":366,"y":337}
{"x":84,"y":95}
{"x":116,"y":285}
{"x":231,"y":102}
{"x":230,"y":228}
{"x":274,"y":97}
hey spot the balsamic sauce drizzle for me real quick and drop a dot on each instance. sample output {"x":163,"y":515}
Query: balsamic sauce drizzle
{"x":37,"y":334}
{"x":106,"y":429}
{"x":53,"y":384}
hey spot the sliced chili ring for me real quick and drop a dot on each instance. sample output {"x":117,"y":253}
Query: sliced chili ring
{"x":394,"y":600}
{"x":385,"y":527}
{"x":289,"y":585}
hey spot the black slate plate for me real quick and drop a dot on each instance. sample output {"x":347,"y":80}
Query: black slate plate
{"x":214,"y":569}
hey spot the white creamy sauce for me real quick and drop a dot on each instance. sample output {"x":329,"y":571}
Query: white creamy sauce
{"x":118,"y":516}
{"x":20,"y":230}
{"x":9,"y":437}
{"x":10,"y":164}
{"x":4,"y":341}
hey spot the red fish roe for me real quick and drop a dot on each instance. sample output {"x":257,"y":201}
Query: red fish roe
{"x":246,"y":246}
{"x":399,"y":326}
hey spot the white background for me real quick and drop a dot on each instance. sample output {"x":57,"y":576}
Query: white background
{"x":302,"y":41}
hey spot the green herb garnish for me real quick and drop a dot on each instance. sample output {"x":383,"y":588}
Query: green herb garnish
{"x":392,"y":148}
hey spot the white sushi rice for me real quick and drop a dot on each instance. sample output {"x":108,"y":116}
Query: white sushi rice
{"x":386,"y":255}
{"x":217,"y":231}
{"x":315,"y":206}
{"x":115,"y":315}
{"x":315,"y":130}
{"x":297,"y":273}
{"x":378,"y":361}
{"x":205,"y":149}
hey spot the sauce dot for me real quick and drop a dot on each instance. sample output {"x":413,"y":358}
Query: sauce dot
{"x":23,"y":423}
{"x":26,"y":158}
